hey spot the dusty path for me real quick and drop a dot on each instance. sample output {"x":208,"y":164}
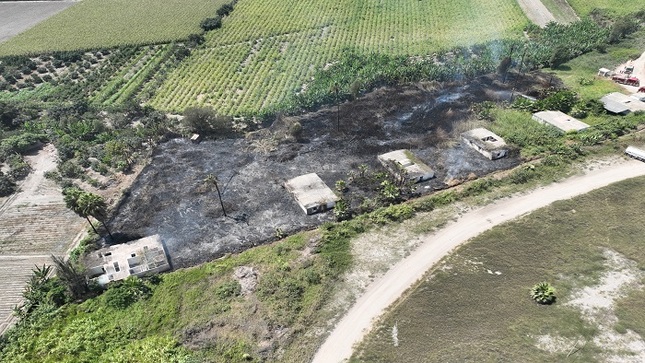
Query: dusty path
{"x":385,"y":291}
{"x":639,"y":72}
{"x":536,"y":12}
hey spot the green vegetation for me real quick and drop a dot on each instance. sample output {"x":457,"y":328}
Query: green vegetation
{"x":543,"y":293}
{"x":585,"y":7}
{"x":242,"y":69}
{"x":579,"y":74}
{"x":95,"y":24}
{"x":490,"y":317}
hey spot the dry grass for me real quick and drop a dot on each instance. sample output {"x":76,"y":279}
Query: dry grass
{"x":476,"y":306}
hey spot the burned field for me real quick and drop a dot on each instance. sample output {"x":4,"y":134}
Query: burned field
{"x":172,"y":198}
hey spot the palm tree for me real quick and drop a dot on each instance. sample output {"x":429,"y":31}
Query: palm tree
{"x":71,"y":197}
{"x":95,"y":206}
{"x":543,"y":293}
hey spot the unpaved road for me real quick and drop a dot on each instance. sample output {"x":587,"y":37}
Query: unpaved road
{"x":18,"y":16}
{"x":385,"y":291}
{"x":536,"y":12}
{"x":639,"y":71}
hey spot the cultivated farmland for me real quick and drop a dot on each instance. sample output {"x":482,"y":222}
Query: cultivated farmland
{"x":265,"y":51}
{"x":93,"y":24}
{"x":19,"y":16}
{"x":584,"y":7}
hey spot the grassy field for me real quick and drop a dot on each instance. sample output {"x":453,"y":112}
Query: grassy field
{"x":586,"y":67}
{"x":584,"y":7}
{"x":93,"y":24}
{"x":267,"y":51}
{"x":463,"y":312}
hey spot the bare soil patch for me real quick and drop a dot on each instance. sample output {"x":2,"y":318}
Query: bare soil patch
{"x":18,"y":16}
{"x":639,"y":72}
{"x":170,"y":197}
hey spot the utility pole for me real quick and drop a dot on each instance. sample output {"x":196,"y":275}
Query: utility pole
{"x":213,"y":179}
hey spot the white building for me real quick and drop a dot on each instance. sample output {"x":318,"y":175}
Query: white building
{"x":560,"y":120}
{"x":485,"y":142}
{"x":635,"y":152}
{"x":416,"y":170}
{"x":142,"y":257}
{"x":311,"y":193}
{"x":619,"y":103}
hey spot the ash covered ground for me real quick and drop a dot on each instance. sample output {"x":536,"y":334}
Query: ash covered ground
{"x":170,"y":197}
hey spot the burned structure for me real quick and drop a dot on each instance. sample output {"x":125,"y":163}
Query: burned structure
{"x":311,"y":193}
{"x":142,"y":257}
{"x":560,"y":120}
{"x":400,"y":162}
{"x":485,"y":142}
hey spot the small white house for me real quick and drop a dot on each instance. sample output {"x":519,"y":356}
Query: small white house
{"x":619,"y":103}
{"x":142,"y":257}
{"x":604,"y":72}
{"x":485,"y":142}
{"x":560,"y":120}
{"x":635,"y":152}
{"x":311,"y":193}
{"x":416,"y":169}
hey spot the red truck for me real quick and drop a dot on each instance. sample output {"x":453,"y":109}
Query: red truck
{"x":629,"y":81}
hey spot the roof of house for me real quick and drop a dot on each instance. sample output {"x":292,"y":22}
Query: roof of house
{"x":408,"y":161}
{"x":560,"y":120}
{"x":310,"y":190}
{"x":616,"y":101}
{"x":484,"y":138}
{"x":132,"y":258}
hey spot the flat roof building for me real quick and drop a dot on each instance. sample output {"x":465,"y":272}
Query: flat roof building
{"x":311,"y":193}
{"x":619,"y":103}
{"x":417,"y":171}
{"x":485,"y":142}
{"x":142,"y":257}
{"x":560,"y":120}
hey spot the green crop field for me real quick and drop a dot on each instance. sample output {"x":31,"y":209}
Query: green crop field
{"x":266,"y":51}
{"x":92,"y":24}
{"x":477,"y":307}
{"x":584,"y":7}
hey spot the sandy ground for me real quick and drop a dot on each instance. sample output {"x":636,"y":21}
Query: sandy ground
{"x":536,"y":12}
{"x":19,"y":16}
{"x":34,"y":223}
{"x":639,"y":72}
{"x":386,"y":290}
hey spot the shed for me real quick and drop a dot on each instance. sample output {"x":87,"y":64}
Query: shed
{"x":635,"y":152}
{"x":415,"y":169}
{"x":485,"y":142}
{"x":604,"y":72}
{"x":619,"y":103}
{"x":560,"y":120}
{"x":311,"y":193}
{"x":142,"y":257}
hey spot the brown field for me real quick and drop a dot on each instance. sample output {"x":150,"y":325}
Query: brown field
{"x":21,"y":15}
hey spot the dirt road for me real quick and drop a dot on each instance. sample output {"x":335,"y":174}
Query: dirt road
{"x":536,"y":12}
{"x":639,"y":72}
{"x":386,"y":290}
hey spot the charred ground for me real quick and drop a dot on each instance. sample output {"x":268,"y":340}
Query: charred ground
{"x":171,"y":198}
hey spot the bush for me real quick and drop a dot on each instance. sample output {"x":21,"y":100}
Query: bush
{"x":204,"y":120}
{"x":209,"y":24}
{"x":120,"y":295}
{"x":7,"y":185}
{"x":225,"y":9}
{"x":543,"y":293}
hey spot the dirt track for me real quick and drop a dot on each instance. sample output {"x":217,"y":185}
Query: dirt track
{"x":386,"y":290}
{"x":536,"y":12}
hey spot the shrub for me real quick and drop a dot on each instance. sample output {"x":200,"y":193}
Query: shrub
{"x":209,"y":24}
{"x":225,"y":9}
{"x":543,"y":293}
{"x":123,"y":294}
{"x":205,"y":120}
{"x":228,"y":290}
{"x":7,"y":185}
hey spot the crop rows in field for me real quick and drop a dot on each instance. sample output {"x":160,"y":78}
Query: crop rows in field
{"x":94,"y":24}
{"x":266,"y":51}
{"x":584,"y":7}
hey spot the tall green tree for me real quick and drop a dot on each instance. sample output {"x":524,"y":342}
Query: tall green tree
{"x":94,"y":205}
{"x":71,"y":197}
